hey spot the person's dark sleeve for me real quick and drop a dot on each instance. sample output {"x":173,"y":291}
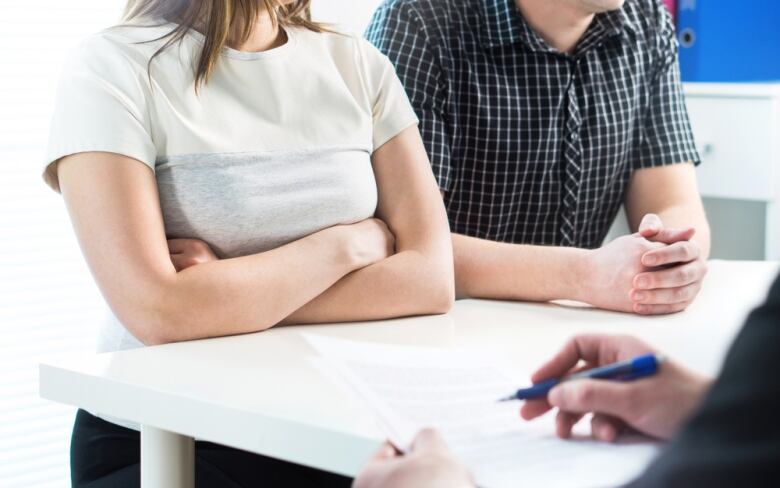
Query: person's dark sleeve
{"x":734,"y":439}
{"x":665,"y":136}
{"x":399,"y":31}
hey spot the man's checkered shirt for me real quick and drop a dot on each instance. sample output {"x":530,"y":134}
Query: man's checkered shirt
{"x":530,"y":145}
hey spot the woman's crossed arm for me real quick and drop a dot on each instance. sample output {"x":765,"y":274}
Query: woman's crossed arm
{"x":114,"y":206}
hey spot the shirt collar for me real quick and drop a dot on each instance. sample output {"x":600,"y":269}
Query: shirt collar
{"x":505,"y":25}
{"x":617,"y":21}
{"x":502,"y":22}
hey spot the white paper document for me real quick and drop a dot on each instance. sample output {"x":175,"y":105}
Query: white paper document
{"x":456,"y":392}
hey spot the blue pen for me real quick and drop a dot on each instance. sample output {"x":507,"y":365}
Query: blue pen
{"x":632,"y":369}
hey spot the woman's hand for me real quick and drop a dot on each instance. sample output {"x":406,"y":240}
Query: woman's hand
{"x":656,"y":405}
{"x":189,"y":252}
{"x":364,"y":243}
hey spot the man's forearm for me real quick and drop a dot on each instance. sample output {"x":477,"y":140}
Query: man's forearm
{"x":488,"y":269}
{"x":408,"y":283}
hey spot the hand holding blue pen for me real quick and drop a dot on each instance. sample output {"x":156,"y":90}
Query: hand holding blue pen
{"x":656,"y":406}
{"x":639,"y":367}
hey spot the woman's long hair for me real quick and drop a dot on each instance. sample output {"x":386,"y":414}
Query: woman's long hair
{"x":220,"y":22}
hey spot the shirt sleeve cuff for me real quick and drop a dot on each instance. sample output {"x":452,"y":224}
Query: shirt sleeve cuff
{"x":146,"y":154}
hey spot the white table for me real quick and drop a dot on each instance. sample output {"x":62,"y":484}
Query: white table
{"x":259,"y":392}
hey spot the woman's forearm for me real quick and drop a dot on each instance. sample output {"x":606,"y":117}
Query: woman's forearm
{"x":408,"y":283}
{"x":114,"y":206}
{"x":247,"y":294}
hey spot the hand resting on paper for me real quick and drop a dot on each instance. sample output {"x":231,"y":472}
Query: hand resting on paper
{"x":429,"y":464}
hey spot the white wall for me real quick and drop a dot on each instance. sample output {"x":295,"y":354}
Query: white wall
{"x":49,"y":304}
{"x":352,"y":14}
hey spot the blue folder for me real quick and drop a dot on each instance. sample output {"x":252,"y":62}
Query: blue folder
{"x":729,"y":40}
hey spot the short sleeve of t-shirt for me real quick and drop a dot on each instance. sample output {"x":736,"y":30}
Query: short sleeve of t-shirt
{"x":100,"y":106}
{"x":391,"y":110}
{"x":399,"y":31}
{"x":666,"y":136}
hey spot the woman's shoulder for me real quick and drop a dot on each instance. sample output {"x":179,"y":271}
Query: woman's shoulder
{"x":341,"y":42}
{"x":132,"y":44}
{"x":350,"y":52}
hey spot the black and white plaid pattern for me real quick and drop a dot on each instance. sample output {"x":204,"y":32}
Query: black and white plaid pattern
{"x":530,"y":145}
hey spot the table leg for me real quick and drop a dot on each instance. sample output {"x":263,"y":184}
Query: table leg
{"x":167,"y":459}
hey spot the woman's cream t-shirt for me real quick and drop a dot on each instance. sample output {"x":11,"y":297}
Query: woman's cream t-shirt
{"x":275,"y":147}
